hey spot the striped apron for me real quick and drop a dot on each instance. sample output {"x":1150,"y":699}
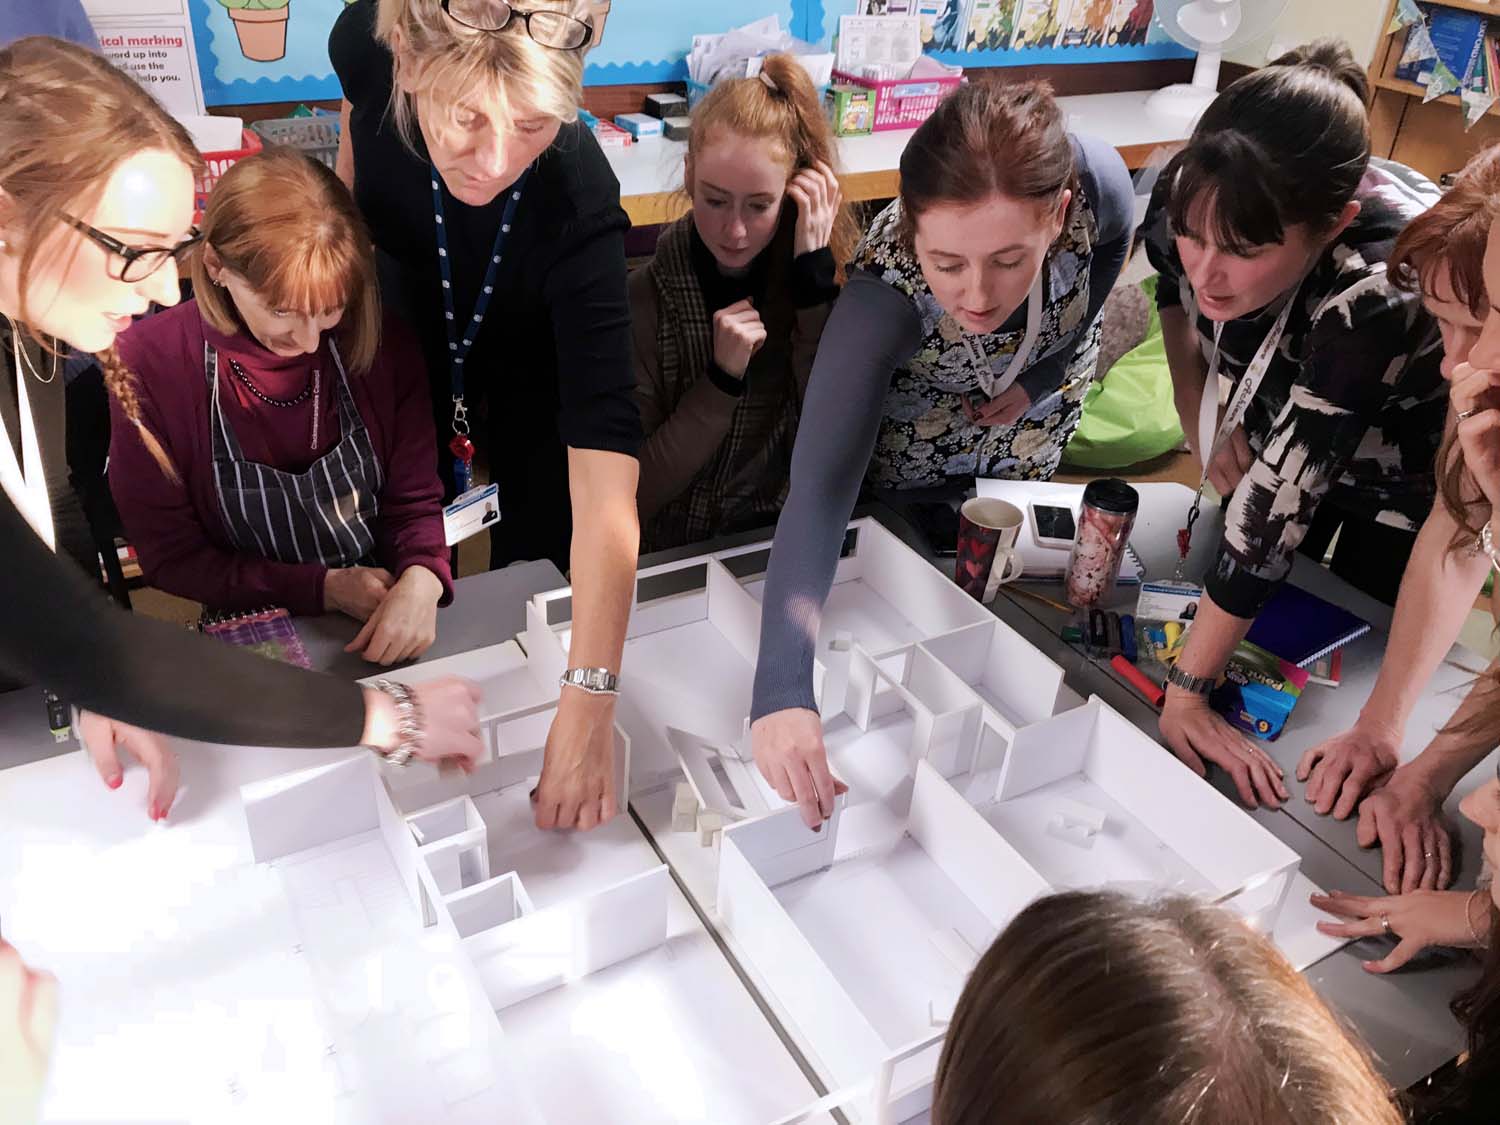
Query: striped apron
{"x":324,"y":515}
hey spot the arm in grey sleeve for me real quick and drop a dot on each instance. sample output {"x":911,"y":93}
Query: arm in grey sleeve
{"x":872,"y":330}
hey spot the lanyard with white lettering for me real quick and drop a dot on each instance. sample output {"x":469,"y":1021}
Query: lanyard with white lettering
{"x":1239,"y":403}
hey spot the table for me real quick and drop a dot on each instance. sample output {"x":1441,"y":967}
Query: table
{"x":650,"y":172}
{"x":1404,"y":1016}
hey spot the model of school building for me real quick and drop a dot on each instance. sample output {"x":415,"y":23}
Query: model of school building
{"x":977,"y":782}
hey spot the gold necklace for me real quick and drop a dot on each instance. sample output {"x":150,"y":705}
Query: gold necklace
{"x":23,"y":357}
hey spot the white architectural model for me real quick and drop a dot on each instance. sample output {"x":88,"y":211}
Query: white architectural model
{"x":971,"y":792}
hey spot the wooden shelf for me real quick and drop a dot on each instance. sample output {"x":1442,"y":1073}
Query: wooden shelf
{"x":1467,"y":5}
{"x":1416,"y":90}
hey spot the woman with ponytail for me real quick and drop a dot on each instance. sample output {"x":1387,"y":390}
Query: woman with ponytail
{"x":962,"y":345}
{"x":728,"y":314}
{"x":96,"y":205}
{"x":1272,"y":229}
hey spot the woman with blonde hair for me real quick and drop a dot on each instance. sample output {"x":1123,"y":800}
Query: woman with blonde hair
{"x":1095,"y":1007}
{"x":728,"y":313}
{"x":500,"y":228}
{"x":296,"y":437}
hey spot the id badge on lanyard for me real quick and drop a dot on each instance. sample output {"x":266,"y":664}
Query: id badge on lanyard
{"x":460,"y":343}
{"x":1234,"y":413}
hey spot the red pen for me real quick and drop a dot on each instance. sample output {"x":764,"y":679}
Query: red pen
{"x":1138,"y":680}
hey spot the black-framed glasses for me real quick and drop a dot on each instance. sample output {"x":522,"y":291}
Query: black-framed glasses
{"x":551,"y":29}
{"x":136,"y":262}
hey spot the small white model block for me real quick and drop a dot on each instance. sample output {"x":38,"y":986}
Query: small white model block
{"x":710,"y":824}
{"x":684,"y":809}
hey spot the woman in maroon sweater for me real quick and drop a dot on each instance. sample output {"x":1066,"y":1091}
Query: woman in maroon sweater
{"x":287,"y":454}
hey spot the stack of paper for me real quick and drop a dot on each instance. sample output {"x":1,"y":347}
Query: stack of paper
{"x":737,"y":53}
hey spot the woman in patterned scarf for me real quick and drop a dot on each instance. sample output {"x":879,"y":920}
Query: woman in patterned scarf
{"x":727,"y":315}
{"x":1271,"y":230}
{"x":961,"y":346}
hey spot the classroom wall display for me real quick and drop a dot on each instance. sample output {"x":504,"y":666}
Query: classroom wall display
{"x":277,"y":50}
{"x":265,"y":50}
{"x":152,"y":40}
{"x":1026,"y":32}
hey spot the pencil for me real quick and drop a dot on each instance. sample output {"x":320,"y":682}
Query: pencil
{"x":1038,"y":597}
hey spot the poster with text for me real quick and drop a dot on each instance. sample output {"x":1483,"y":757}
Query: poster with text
{"x":152,"y":40}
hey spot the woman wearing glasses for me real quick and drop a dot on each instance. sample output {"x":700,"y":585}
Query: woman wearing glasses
{"x":500,"y":222}
{"x":75,"y":266}
{"x":76,"y":263}
{"x":295,"y":465}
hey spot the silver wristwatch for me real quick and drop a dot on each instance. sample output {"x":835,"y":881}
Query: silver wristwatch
{"x":1198,"y":685}
{"x":595,"y":681}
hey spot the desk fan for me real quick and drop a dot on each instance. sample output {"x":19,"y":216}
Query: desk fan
{"x":1209,"y":27}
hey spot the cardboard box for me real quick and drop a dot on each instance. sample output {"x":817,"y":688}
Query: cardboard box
{"x":638,"y":125}
{"x":662,"y":106}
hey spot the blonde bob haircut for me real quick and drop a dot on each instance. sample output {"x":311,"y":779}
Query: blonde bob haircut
{"x":289,"y":227}
{"x":457,"y":68}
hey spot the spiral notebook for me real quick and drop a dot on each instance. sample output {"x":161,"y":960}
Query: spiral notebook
{"x":1300,"y":627}
{"x":267,"y":632}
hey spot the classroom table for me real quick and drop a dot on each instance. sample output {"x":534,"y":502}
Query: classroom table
{"x":650,"y":171}
{"x":1403,"y":1016}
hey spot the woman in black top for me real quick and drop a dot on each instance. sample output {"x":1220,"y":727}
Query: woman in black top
{"x":74,"y":268}
{"x":500,"y":226}
{"x":76,"y":264}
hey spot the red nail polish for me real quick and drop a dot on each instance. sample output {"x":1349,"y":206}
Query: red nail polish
{"x":116,"y":781}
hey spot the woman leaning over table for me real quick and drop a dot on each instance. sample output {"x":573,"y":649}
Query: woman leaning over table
{"x":96,"y":201}
{"x":1271,"y":230}
{"x":501,"y":225}
{"x":962,"y":345}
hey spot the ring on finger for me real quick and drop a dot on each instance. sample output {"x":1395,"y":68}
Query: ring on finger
{"x":1385,"y":925}
{"x":1464,"y":415}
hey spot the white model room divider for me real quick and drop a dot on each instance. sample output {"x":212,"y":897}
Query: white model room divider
{"x":969,"y":795}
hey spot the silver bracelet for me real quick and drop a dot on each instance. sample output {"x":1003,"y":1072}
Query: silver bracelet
{"x":409,"y":730}
{"x":1481,"y":942}
{"x":1487,"y":544}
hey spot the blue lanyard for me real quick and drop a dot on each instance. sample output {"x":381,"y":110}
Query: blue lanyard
{"x":459,"y":345}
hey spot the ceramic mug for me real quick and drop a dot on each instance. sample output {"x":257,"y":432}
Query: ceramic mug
{"x":987,"y":532}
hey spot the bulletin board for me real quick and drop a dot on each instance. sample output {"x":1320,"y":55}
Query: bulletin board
{"x":268,"y":50}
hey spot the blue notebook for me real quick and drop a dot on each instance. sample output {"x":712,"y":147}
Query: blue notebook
{"x":1300,"y":627}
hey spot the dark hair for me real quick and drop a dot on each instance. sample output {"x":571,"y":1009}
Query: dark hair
{"x":784,"y":107}
{"x":984,"y":139}
{"x":1285,"y":145}
{"x":1478,"y":1009}
{"x":1093,"y":1007}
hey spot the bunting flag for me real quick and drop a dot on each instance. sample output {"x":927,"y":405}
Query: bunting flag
{"x":1479,"y":92}
{"x":1406,"y":13}
{"x":1442,"y":81}
{"x":1418,"y":45}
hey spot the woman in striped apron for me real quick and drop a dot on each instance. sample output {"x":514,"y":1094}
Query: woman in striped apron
{"x":295,"y":465}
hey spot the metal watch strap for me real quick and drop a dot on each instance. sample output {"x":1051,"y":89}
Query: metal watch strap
{"x":408,"y":723}
{"x":1198,"y":685}
{"x":595,"y":681}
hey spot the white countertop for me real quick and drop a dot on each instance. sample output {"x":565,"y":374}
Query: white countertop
{"x":655,"y":165}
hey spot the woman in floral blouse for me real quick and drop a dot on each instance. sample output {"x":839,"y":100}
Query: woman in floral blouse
{"x":962,"y":345}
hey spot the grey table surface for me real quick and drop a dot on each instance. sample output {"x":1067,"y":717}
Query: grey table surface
{"x":1404,"y":1016}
